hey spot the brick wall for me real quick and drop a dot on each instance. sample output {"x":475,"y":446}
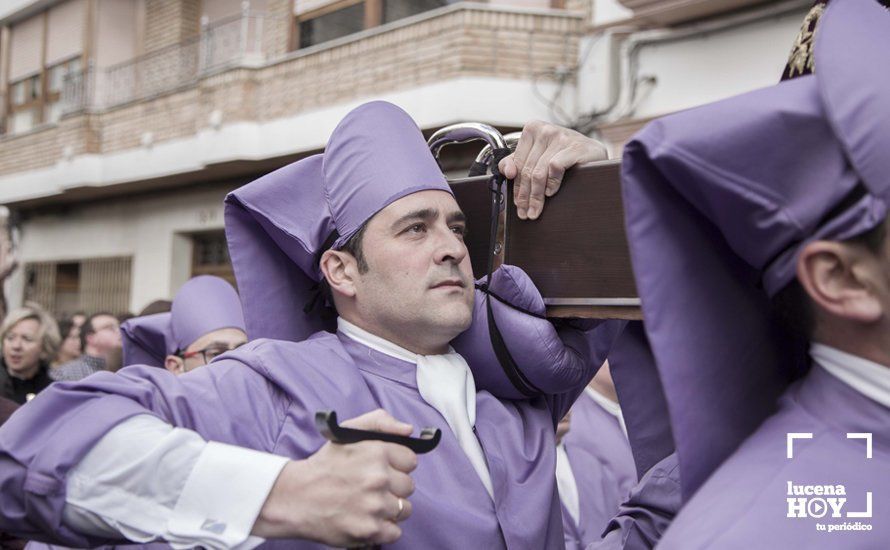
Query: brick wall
{"x":579,"y":5}
{"x":277,"y":27}
{"x":464,"y":42}
{"x":169,"y":22}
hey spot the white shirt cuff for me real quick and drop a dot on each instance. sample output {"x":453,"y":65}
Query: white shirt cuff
{"x":223,"y":496}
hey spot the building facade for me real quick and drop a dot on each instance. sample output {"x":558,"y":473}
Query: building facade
{"x":125,"y":122}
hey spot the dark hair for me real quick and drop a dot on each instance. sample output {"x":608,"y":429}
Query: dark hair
{"x":88,"y":328}
{"x":65,"y":326}
{"x":158,"y":306}
{"x":792,"y":305}
{"x":353,"y":246}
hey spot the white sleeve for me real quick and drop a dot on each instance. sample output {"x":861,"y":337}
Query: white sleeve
{"x":147,"y":480}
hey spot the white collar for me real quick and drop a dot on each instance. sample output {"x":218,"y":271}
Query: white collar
{"x":867,"y":377}
{"x":375,"y":342}
{"x":607,"y":405}
{"x":446,"y":383}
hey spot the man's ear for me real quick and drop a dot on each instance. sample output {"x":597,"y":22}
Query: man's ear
{"x":841,"y":279}
{"x":174,"y":364}
{"x":340,"y":270}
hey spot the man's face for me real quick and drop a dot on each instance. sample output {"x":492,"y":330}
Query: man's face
{"x":210,"y":346}
{"x":419,"y":282}
{"x":106,"y":334}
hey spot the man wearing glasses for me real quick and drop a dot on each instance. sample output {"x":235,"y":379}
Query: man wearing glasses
{"x":205,"y":321}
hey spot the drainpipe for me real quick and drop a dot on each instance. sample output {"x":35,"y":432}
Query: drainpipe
{"x":625,"y":99}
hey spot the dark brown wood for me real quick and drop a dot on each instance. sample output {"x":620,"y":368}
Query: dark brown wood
{"x":575,"y":252}
{"x":475,"y":200}
{"x":630,"y":313}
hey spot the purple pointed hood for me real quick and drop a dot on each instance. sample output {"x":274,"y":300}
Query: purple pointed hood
{"x":202,"y":305}
{"x":146,"y":340}
{"x":278,"y":226}
{"x":719,"y":202}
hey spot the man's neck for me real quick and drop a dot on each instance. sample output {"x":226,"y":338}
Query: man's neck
{"x":400,"y":339}
{"x":862,"y":348}
{"x":867,"y":377}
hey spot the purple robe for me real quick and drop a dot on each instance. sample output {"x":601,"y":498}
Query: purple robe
{"x":737,"y":189}
{"x":264,"y":396}
{"x":744,"y":504}
{"x":648,"y":510}
{"x":603,"y":466}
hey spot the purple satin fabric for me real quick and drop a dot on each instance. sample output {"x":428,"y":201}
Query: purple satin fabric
{"x":202,"y":305}
{"x":648,"y":511}
{"x":603,"y":466}
{"x":264,"y":396}
{"x":554,"y":358}
{"x":743,"y":505}
{"x":147,"y":340}
{"x":718,"y":201}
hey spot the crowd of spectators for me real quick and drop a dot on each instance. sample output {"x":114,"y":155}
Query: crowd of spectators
{"x":38,"y":349}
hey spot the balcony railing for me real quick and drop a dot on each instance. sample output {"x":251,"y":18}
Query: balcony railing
{"x":232,"y":42}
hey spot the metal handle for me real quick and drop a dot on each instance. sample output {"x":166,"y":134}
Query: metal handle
{"x":326,"y":423}
{"x":464,"y":132}
{"x":485,"y":155}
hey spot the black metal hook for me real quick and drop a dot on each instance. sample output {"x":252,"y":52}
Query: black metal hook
{"x":326,"y":423}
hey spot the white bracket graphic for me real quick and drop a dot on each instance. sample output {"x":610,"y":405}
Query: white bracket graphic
{"x":796,"y":435}
{"x":867,"y":512}
{"x":867,"y":438}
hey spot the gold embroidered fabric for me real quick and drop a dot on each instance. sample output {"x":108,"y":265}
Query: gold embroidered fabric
{"x":800,"y":62}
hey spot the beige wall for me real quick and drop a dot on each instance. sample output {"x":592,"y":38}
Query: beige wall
{"x":541,"y":4}
{"x":304,"y":6}
{"x":146,"y":229}
{"x":118,"y":34}
{"x":26,"y":47}
{"x":65,"y":31}
{"x":215,"y":10}
{"x":169,"y":22}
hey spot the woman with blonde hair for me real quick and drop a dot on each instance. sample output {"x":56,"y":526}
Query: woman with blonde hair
{"x":29,"y":338}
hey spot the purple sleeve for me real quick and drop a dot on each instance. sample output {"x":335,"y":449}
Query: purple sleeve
{"x":647,"y":512}
{"x":45,"y":439}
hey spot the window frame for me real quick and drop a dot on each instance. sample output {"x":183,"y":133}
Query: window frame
{"x":46,"y":97}
{"x":223,"y":270}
